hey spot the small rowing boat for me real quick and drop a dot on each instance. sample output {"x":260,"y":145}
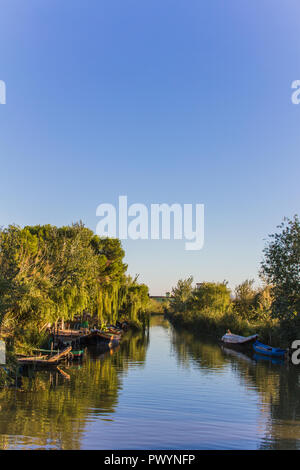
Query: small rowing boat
{"x":236,"y":340}
{"x":266,"y":350}
{"x":104,"y":335}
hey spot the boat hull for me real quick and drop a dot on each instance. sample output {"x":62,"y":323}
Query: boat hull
{"x":238,"y":342}
{"x":102,"y":341}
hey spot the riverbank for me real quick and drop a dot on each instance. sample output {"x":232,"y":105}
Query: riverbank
{"x":40,"y":349}
{"x":211,"y":308}
{"x":269,"y":331}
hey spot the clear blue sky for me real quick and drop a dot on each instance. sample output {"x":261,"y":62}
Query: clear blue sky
{"x":160,"y":100}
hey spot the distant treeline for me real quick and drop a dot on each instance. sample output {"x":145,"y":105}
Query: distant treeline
{"x":49,"y":273}
{"x":272,"y":310}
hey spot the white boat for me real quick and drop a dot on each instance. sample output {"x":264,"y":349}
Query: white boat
{"x":230,"y":338}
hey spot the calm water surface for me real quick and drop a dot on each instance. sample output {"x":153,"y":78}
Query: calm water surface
{"x":160,"y":390}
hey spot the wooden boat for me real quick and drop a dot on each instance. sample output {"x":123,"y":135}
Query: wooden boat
{"x":46,"y":360}
{"x":97,"y":336}
{"x":71,"y":335}
{"x":235,"y":340}
{"x":266,"y":350}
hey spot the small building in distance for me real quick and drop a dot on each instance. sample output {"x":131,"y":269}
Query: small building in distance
{"x":159,"y":298}
{"x":199,"y":284}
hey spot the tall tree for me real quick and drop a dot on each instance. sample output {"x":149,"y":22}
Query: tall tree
{"x":48,"y":273}
{"x":244,"y":298}
{"x":213,"y":296}
{"x":181,"y":293}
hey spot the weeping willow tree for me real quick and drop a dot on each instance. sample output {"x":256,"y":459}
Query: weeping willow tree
{"x":49,"y":273}
{"x":125,"y":299}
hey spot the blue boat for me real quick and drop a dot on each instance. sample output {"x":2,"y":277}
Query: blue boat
{"x":261,"y":348}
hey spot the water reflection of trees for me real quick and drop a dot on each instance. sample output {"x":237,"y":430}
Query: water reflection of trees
{"x":204,"y":354}
{"x":159,"y":320}
{"x":278,"y":385}
{"x":48,"y":409}
{"x":283,"y":428}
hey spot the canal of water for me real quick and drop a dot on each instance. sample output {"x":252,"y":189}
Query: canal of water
{"x":162,"y":389}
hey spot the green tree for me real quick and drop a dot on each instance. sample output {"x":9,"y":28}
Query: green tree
{"x":213,"y":296}
{"x":47,"y":273}
{"x":182,"y":293}
{"x":244,"y":298}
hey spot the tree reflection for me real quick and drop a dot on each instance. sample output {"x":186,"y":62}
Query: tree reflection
{"x":204,"y":353}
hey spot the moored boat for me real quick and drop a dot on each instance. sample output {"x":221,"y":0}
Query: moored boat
{"x":104,"y":335}
{"x":266,"y":350}
{"x":46,"y":360}
{"x":100,"y":337}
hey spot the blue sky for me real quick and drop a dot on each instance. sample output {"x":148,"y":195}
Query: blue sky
{"x":163,"y":101}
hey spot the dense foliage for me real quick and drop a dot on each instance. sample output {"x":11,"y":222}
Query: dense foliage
{"x":211,"y":308}
{"x":48,"y":273}
{"x":208,"y":295}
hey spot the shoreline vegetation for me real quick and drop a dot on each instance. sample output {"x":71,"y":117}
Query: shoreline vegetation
{"x":272,"y":311}
{"x":52,"y":275}
{"x":211,"y":309}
